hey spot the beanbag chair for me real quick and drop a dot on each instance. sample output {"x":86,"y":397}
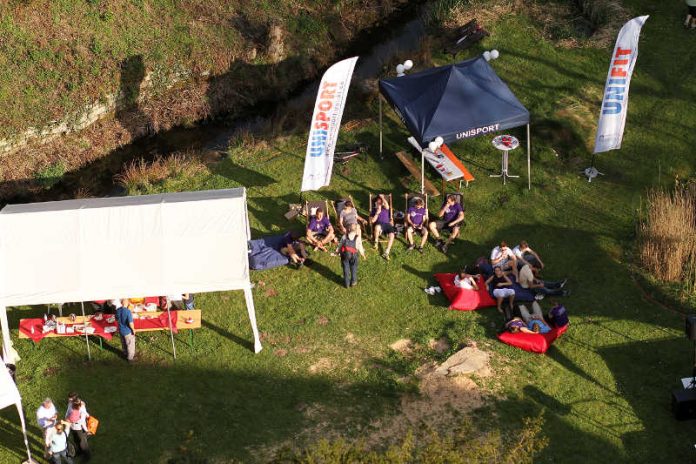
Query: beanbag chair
{"x":461,"y":299}
{"x":264,"y":253}
{"x":535,"y":343}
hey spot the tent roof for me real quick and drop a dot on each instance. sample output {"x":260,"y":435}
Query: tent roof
{"x":114,"y":202}
{"x":82,"y":250}
{"x":456,"y":101}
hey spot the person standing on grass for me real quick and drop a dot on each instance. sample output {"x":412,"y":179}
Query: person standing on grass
{"x":415,"y":222}
{"x":690,"y":22}
{"x":452,"y":215}
{"x":126,"y":329}
{"x":500,"y":288}
{"x":380,"y":218}
{"x":46,"y":415}
{"x":349,"y":247}
{"x":57,"y":445}
{"x":77,"y":417}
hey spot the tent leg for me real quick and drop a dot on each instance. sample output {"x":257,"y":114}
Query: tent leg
{"x":171,"y":331}
{"x":380,"y":127}
{"x":24,"y":432}
{"x":6,"y":342}
{"x":252,"y":318}
{"x":84,"y":320}
{"x":422,"y":172}
{"x":529,"y":160}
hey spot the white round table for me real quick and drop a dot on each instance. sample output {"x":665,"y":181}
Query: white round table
{"x":505,"y":143}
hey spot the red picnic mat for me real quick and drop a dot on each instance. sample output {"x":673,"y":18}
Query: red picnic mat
{"x":26,"y":325}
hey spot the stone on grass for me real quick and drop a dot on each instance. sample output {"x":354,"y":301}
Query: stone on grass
{"x":469,"y":360}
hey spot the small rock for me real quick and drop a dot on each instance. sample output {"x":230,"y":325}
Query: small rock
{"x":405,"y":345}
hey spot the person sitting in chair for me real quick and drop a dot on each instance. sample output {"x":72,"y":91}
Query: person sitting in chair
{"x":293,"y":248}
{"x":381,"y":221}
{"x":320,"y":231}
{"x":348,"y":216}
{"x":451,"y":214}
{"x":415,"y":222}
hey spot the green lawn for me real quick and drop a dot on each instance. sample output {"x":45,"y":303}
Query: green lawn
{"x":604,"y":387}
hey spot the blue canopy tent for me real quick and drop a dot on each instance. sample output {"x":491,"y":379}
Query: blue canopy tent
{"x":455,"y":102}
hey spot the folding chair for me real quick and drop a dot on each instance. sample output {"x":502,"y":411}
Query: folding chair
{"x":410,"y":201}
{"x":337,"y":207}
{"x":388,"y":196}
{"x":312,"y":206}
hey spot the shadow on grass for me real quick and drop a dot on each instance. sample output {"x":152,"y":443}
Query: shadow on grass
{"x":229,"y":335}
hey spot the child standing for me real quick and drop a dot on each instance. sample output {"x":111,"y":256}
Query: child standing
{"x":349,"y":247}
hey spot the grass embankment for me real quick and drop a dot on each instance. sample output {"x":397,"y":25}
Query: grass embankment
{"x":326,"y":368}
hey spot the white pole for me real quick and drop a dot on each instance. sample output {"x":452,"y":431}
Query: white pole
{"x":84,"y":322}
{"x":380,"y":126}
{"x":422,"y":172}
{"x":252,"y":318}
{"x":171,"y":330}
{"x":529,"y":159}
{"x":6,"y":342}
{"x":24,"y":432}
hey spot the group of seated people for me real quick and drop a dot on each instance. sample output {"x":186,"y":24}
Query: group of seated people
{"x":506,"y":266}
{"x":320,"y":232}
{"x":184,"y":301}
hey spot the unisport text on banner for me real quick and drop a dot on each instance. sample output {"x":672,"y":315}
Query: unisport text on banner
{"x":326,"y":122}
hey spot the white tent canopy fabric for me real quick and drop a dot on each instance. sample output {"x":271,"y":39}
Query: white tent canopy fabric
{"x":9,"y":395}
{"x":108,"y":248}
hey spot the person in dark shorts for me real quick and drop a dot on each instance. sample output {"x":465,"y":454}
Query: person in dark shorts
{"x":452,"y":215}
{"x":415,"y":222}
{"x":320,"y":232}
{"x":382,"y":224}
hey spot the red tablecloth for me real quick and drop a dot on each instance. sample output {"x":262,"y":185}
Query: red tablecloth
{"x":25,"y":326}
{"x":157,"y":322}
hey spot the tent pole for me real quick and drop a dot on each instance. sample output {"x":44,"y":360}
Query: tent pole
{"x":84,"y":321}
{"x":252,"y":317}
{"x":6,"y":342}
{"x":422,"y":172}
{"x":171,"y":331}
{"x":529,"y":160}
{"x":380,"y":127}
{"x":24,"y":432}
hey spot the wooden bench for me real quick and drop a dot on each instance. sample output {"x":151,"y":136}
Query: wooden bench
{"x":415,"y":171}
{"x":468,"y":177}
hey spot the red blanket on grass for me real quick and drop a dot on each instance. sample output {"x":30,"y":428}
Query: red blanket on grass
{"x":464,"y":300}
{"x":536,"y":343}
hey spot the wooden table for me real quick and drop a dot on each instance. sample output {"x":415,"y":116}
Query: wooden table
{"x":181,"y":324}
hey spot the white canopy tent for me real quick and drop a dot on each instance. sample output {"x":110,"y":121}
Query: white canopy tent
{"x":109,"y":248}
{"x":9,"y":395}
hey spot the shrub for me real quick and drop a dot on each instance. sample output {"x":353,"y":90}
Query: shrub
{"x":667,"y":235}
{"x":139,"y":175}
{"x":462,"y":445}
{"x":50,"y":175}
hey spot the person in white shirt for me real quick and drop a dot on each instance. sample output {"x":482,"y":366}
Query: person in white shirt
{"x":503,"y":257}
{"x":46,"y":415}
{"x":531,"y":256}
{"x":465,"y":281}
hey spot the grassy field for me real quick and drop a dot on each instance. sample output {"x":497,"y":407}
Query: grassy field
{"x":327,"y":369}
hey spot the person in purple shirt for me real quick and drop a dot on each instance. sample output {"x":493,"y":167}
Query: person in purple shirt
{"x":382,"y":223}
{"x":415,"y":221}
{"x":320,"y":231}
{"x":452,"y":215}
